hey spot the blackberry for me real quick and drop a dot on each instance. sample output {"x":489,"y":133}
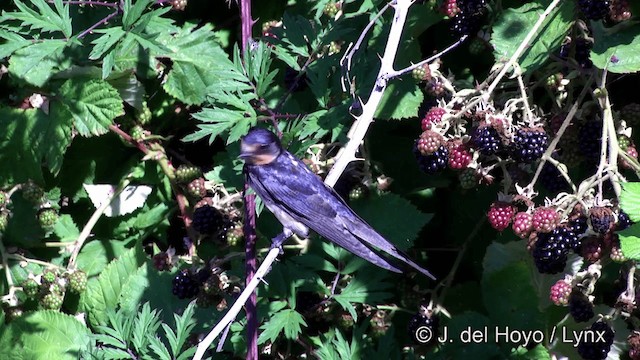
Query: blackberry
{"x":602,"y":219}
{"x":528,"y":145}
{"x":468,"y":178}
{"x":619,"y":10}
{"x":185,"y":285}
{"x":623,"y":221}
{"x":32,"y":192}
{"x":433,"y":116}
{"x":196,"y":188}
{"x":550,"y":250}
{"x":31,"y":287}
{"x":580,"y":308}
{"x":162,"y":261}
{"x":467,"y":20}
{"x":47,"y":217}
{"x":589,"y":137}
{"x":423,"y":327}
{"x":137,"y":133}
{"x":429,"y":142}
{"x":583,"y":51}
{"x":187,"y":173}
{"x":77,"y":281}
{"x":591,"y":249}
{"x":500,"y":215}
{"x":597,"y":347}
{"x":552,"y":180}
{"x":559,"y":292}
{"x":433,"y":163}
{"x":207,"y":219}
{"x":51,"y":301}
{"x":422,"y":73}
{"x":594,"y":9}
{"x":459,"y":156}
{"x":486,"y":140}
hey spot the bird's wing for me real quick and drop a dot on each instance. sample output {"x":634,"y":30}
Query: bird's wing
{"x":307,"y":199}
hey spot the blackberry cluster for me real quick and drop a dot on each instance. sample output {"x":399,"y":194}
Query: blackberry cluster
{"x":594,"y":9}
{"x":580,"y":308}
{"x":528,"y":145}
{"x":432,"y":163}
{"x":208,"y":220}
{"x":467,"y":20}
{"x":551,"y":249}
{"x":422,"y":327}
{"x":594,"y":348}
{"x":186,"y":284}
{"x":486,"y":140}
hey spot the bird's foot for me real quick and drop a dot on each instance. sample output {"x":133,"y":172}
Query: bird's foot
{"x":277,"y":242}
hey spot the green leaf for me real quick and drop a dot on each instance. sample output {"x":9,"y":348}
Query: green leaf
{"x":401,"y":100}
{"x":45,"y":19}
{"x":91,"y":104}
{"x":45,"y":335}
{"x":617,"y":49}
{"x":96,"y":255}
{"x":13,"y":43}
{"x":66,"y":229}
{"x":36,"y":63}
{"x":400,"y":226}
{"x":106,"y":42}
{"x":537,"y":353}
{"x":17,"y":128}
{"x":630,"y":242}
{"x":513,"y":25}
{"x":131,"y":14}
{"x":288,"y":321}
{"x":630,"y":200}
{"x":370,"y":286}
{"x":105,"y":293}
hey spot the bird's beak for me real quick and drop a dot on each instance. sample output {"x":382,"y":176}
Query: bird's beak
{"x":244,"y":156}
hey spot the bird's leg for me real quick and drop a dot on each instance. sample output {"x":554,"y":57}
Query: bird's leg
{"x":277,"y":241}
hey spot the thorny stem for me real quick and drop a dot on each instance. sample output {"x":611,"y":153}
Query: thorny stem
{"x":523,"y":46}
{"x":94,"y":26}
{"x":565,"y":124}
{"x":361,"y":125}
{"x":607,"y":118}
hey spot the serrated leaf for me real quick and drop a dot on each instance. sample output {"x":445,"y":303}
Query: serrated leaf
{"x":287,"y":321}
{"x":400,"y":225}
{"x":36,"y":63}
{"x":106,"y":42}
{"x":46,"y":19}
{"x":17,"y":128}
{"x":96,"y":255}
{"x":513,"y":25}
{"x":105,"y":292}
{"x":401,"y":100}
{"x":617,"y":49}
{"x":12,"y":43}
{"x":630,"y":242}
{"x":91,"y":104}
{"x":367,"y":286}
{"x":630,"y":200}
{"x":66,"y":229}
{"x":45,"y":335}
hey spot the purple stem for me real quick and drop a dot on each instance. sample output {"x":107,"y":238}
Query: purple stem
{"x":82,"y":2}
{"x":250,"y":269}
{"x":107,"y":18}
{"x":247,"y":22}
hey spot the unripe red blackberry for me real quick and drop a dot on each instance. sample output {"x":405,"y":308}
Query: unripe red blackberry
{"x":459,"y":156}
{"x":468,"y":178}
{"x":580,"y":308}
{"x":545,"y":219}
{"x":522,"y":224}
{"x":32,"y":192}
{"x":616,"y":254}
{"x":633,"y":153}
{"x":433,"y":116}
{"x":47,"y":218}
{"x":422,"y":73}
{"x":559,"y":293}
{"x":450,"y":8}
{"x":187,"y":173}
{"x":619,"y":10}
{"x":591,"y":249}
{"x":162,"y":261}
{"x":435,"y":88}
{"x":429,"y":142}
{"x":500,"y":215}
{"x":179,"y":4}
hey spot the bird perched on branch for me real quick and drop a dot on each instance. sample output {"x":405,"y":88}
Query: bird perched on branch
{"x":301,"y":201}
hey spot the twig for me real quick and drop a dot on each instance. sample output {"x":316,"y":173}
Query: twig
{"x":250,"y":271}
{"x":361,"y":125}
{"x":86,"y":231}
{"x":94,"y":26}
{"x":397,"y":73}
{"x":7,"y":272}
{"x":523,"y":46}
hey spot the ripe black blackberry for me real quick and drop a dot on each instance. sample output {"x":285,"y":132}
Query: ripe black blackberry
{"x":467,"y":20}
{"x":550,"y":250}
{"x":594,"y":348}
{"x":207,"y":219}
{"x":580,"y":308}
{"x":423,"y":327}
{"x":552,"y":180}
{"x":433,"y":163}
{"x":185,"y":285}
{"x":594,"y":9}
{"x":623,"y":221}
{"x":528,"y":145}
{"x":582,"y":52}
{"x":486,"y":140}
{"x":579,"y":225}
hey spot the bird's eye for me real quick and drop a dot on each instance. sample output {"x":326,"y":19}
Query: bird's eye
{"x":264,"y":146}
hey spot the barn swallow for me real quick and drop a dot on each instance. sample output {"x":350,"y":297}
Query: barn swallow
{"x":301,"y":201}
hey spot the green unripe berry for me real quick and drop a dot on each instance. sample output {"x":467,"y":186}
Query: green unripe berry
{"x":77,"y":281}
{"x":32,"y":192}
{"x":51,"y":301}
{"x":31,"y":287}
{"x":47,"y":218}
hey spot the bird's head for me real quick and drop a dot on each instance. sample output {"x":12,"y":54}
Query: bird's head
{"x":259,"y":147}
